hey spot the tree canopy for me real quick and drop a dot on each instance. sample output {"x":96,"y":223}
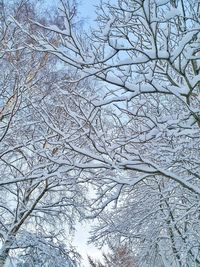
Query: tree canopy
{"x":113,"y":111}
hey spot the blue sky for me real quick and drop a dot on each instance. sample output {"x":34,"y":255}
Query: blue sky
{"x":87,"y":8}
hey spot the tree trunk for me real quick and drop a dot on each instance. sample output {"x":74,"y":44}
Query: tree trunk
{"x":4,"y":252}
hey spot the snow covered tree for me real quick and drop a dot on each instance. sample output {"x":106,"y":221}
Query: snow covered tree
{"x":148,"y":54}
{"x":40,"y":198}
{"x":140,"y":140}
{"x":46,"y":251}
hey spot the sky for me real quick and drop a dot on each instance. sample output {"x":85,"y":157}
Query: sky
{"x":87,"y":9}
{"x":80,"y":242}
